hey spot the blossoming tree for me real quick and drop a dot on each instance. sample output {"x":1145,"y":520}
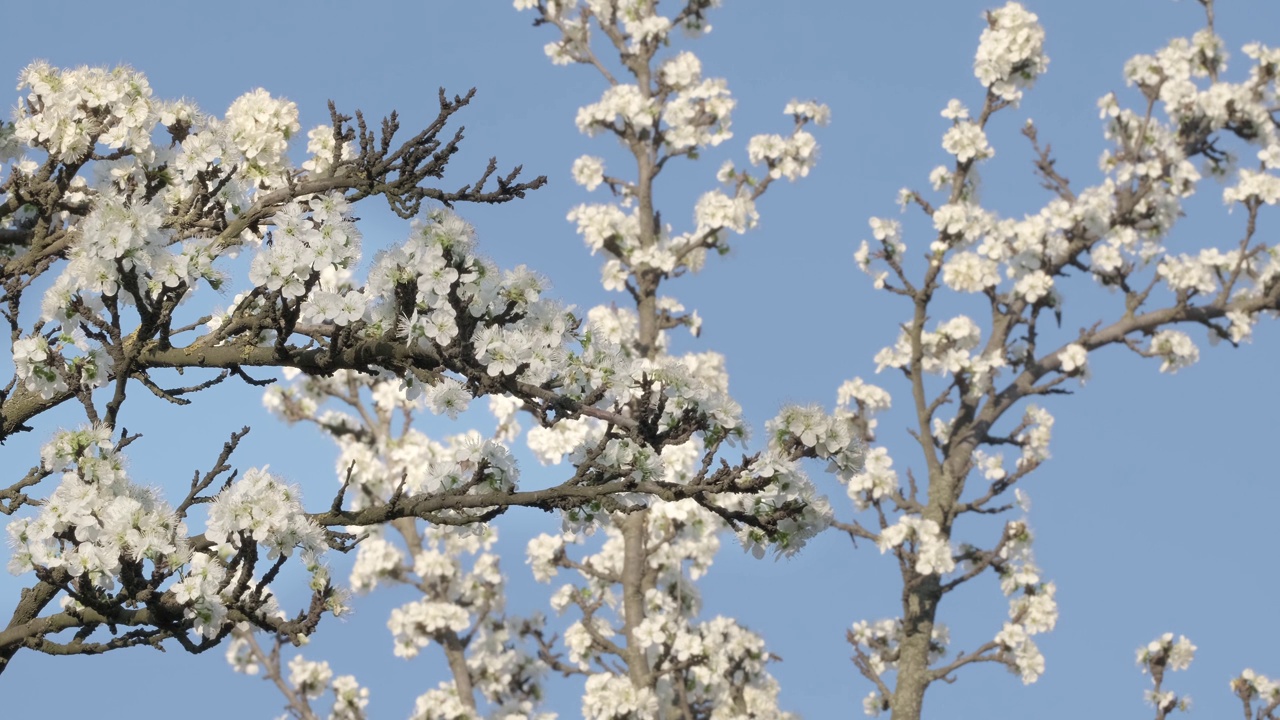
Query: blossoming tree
{"x":108,"y":231}
{"x":638,"y":642}
{"x":113,"y":229}
{"x":1032,"y":345}
{"x":636,"y":639}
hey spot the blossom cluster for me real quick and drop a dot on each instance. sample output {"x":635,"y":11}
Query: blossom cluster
{"x":789,"y":157}
{"x":1250,"y":686}
{"x":1010,"y":52}
{"x":933,"y":554}
{"x":948,"y":350}
{"x":263,"y":508}
{"x":1157,"y":656}
{"x":438,"y":265}
{"x":96,"y":520}
{"x":315,"y":237}
{"x":259,"y":510}
{"x":1164,"y":651}
{"x":100,"y":526}
{"x":260,"y":127}
{"x":45,"y":370}
{"x":73,"y":110}
{"x":1032,"y":607}
{"x":698,"y":115}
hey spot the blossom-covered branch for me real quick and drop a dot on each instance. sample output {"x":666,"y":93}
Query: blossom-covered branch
{"x":638,"y":642}
{"x":972,"y":381}
{"x":119,"y":233}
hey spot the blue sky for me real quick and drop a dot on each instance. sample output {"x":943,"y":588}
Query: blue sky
{"x":1155,"y":514}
